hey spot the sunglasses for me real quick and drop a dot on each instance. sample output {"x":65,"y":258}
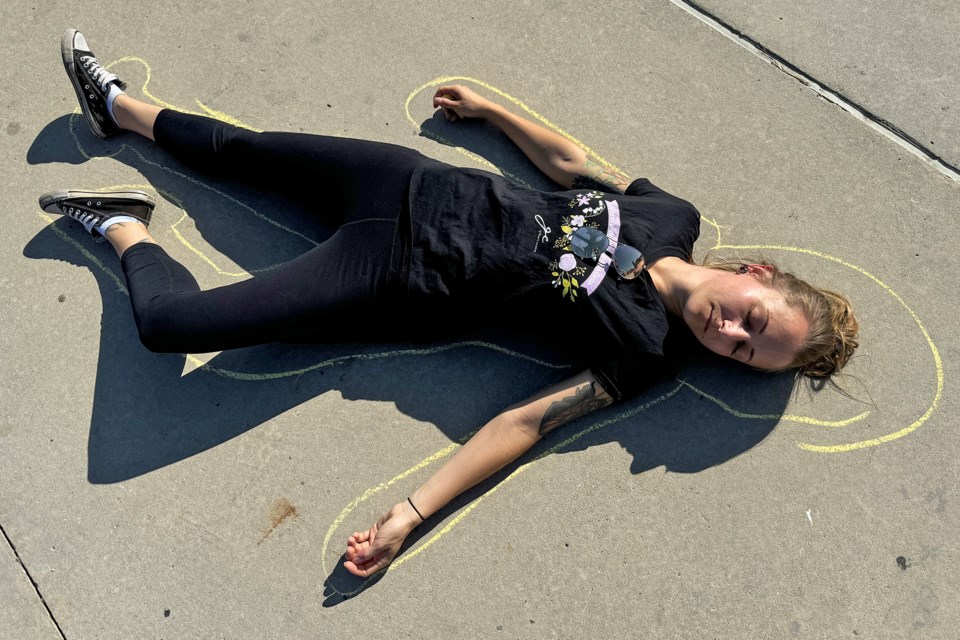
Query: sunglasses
{"x":591,"y":244}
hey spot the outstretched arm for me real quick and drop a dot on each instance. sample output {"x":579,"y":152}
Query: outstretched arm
{"x":559,"y":158}
{"x":499,"y":442}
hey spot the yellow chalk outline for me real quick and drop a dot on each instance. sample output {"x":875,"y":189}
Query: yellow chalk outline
{"x":205,"y":110}
{"x":938,"y":363}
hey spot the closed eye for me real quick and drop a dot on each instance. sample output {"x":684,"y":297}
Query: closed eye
{"x":737,"y":348}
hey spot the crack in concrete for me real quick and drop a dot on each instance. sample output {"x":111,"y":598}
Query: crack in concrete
{"x":36,"y":588}
{"x":875,"y":122}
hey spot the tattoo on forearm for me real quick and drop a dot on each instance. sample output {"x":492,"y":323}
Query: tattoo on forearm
{"x":582,"y":402}
{"x":596,"y":176}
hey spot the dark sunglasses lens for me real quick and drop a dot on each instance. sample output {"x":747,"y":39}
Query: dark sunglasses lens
{"x":588,"y":243}
{"x":628,"y":261}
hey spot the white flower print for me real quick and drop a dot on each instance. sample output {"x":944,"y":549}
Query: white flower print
{"x":577,"y":220}
{"x":567,"y":278}
{"x":585,"y":199}
{"x":567,"y":262}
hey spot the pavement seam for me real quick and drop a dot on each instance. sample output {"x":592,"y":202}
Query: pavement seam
{"x":32,"y":581}
{"x":875,"y":122}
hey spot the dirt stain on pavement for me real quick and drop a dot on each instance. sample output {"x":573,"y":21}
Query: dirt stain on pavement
{"x":280,"y":511}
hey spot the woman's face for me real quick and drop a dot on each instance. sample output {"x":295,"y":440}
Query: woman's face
{"x":741,"y":317}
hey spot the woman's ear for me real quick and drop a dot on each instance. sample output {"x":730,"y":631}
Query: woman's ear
{"x":762,"y":270}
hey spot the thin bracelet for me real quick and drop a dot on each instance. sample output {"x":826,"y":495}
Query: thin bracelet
{"x":422,"y":519}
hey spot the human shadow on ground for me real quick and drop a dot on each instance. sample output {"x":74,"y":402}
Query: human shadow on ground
{"x":147,"y":415}
{"x":684,"y":434}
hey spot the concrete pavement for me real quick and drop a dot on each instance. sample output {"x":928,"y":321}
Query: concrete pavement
{"x":165,"y":496}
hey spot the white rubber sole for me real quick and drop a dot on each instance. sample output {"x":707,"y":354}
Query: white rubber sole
{"x":48,"y":201}
{"x":66,"y":53}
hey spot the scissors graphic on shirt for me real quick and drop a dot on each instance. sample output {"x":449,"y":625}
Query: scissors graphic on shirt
{"x":544,"y":234}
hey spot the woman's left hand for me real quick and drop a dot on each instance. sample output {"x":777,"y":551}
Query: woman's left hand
{"x":458,"y":102}
{"x":372,"y":550}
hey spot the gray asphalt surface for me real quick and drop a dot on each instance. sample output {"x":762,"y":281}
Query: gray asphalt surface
{"x":898,"y":61}
{"x":147,"y":495}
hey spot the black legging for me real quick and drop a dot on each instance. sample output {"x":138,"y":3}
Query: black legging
{"x":352,"y":285}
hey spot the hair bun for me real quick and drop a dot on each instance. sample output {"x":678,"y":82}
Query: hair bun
{"x":845,"y":328}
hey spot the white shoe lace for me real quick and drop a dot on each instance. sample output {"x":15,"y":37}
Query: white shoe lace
{"x":86,"y":218}
{"x":100,"y":75}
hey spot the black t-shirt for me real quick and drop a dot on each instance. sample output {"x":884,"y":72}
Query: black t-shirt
{"x":483,"y":248}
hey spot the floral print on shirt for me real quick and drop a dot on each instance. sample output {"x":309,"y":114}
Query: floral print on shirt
{"x":567,"y":270}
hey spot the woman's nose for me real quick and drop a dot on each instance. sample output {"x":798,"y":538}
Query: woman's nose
{"x":733,"y":330}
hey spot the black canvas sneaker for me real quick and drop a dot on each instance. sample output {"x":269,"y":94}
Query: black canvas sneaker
{"x":91,"y":82}
{"x":91,"y":208}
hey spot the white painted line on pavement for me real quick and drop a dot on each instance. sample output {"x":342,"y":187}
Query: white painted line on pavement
{"x":871,"y":120}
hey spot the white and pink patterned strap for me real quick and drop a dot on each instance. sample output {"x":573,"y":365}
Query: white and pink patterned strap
{"x":603,"y":263}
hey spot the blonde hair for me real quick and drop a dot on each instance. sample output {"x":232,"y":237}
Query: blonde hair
{"x":832,"y":337}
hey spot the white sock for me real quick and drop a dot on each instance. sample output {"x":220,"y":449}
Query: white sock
{"x":109,"y":222}
{"x":115,"y":91}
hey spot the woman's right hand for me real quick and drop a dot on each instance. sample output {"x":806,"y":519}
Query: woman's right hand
{"x":459,"y":102}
